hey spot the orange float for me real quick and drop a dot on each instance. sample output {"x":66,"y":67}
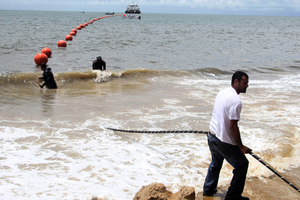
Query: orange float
{"x":62,"y":43}
{"x":69,"y":38}
{"x":74,"y":30}
{"x":40,"y":58}
{"x":72,"y":33}
{"x":47,"y":51}
{"x":78,"y":28}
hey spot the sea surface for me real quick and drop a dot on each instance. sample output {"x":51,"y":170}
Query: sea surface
{"x":163,"y":73}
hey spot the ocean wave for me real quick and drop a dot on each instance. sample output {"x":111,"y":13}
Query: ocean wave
{"x":212,"y":71}
{"x":33,"y":77}
{"x":98,"y":76}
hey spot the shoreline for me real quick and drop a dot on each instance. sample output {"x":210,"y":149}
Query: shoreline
{"x":272,"y":187}
{"x":256,"y":188}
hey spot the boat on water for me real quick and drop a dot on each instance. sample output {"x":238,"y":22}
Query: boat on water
{"x":109,"y":13}
{"x":133,"y":9}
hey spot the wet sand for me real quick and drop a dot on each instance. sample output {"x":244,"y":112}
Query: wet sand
{"x":265,"y":188}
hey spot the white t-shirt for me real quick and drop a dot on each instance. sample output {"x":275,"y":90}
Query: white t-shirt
{"x":228,"y":106}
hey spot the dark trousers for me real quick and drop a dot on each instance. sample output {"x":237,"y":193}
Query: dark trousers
{"x":235,"y":157}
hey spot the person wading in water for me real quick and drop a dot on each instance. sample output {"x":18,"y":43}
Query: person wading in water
{"x":47,"y":77}
{"x":99,"y":64}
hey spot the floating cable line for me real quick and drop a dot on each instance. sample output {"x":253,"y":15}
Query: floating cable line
{"x":273,"y":170}
{"x":148,"y":146}
{"x":173,"y":131}
{"x":206,"y":132}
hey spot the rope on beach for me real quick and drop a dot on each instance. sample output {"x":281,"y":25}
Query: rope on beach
{"x":273,"y":170}
{"x":174,"y":131}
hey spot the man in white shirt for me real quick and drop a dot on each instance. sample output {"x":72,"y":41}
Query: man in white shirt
{"x":225,"y":142}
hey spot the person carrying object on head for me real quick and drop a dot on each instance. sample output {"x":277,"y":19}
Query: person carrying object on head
{"x":224,"y":140}
{"x":99,"y":64}
{"x":47,"y":77}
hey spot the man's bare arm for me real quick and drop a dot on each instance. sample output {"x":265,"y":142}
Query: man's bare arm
{"x":235,"y":131}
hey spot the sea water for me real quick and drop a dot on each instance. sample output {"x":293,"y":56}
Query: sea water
{"x":163,"y":73}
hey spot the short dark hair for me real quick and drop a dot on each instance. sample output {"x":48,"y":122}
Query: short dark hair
{"x":238,"y":75}
{"x":43,"y":65}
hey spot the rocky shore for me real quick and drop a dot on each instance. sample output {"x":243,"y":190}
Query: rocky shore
{"x":256,"y":188}
{"x":158,"y":191}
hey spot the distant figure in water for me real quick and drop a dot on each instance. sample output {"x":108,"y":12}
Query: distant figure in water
{"x":99,"y":64}
{"x":48,"y":78}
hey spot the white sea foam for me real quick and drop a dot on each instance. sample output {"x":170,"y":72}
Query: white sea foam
{"x":76,"y":160}
{"x":102,"y":76}
{"x":102,"y":163}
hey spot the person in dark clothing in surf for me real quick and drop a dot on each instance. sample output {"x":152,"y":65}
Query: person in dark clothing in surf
{"x":48,"y":78}
{"x":99,"y":64}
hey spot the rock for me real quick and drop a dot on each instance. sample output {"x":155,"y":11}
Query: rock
{"x":185,"y":193}
{"x":158,"y":191}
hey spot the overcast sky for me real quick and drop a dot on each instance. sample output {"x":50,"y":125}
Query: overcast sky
{"x":231,"y":7}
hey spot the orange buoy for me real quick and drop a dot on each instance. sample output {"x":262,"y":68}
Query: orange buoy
{"x":72,"y":33}
{"x":40,"y":58}
{"x":78,"y":28}
{"x":69,"y":38}
{"x":47,"y":51}
{"x":62,"y":43}
{"x":74,"y":30}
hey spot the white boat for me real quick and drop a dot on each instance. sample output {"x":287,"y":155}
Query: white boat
{"x":133,"y":9}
